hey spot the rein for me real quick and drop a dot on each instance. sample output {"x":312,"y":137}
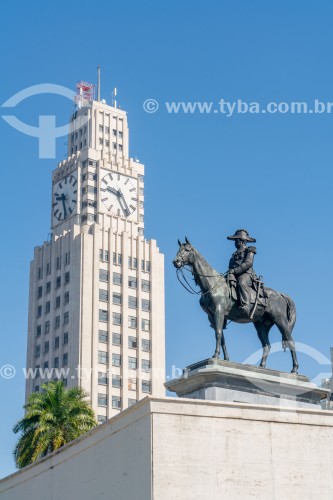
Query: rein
{"x":190,"y":289}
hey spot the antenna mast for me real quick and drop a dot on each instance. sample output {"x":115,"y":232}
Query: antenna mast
{"x":98,"y":83}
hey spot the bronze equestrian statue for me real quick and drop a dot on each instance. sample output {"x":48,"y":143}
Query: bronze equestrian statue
{"x":246,"y":302}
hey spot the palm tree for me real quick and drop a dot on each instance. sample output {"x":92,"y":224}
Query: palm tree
{"x":53,"y":418}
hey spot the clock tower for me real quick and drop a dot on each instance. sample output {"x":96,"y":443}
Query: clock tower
{"x":96,"y":307}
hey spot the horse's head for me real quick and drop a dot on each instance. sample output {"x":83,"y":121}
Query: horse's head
{"x":185,"y":254}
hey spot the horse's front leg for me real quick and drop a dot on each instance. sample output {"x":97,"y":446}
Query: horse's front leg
{"x":219,"y":336}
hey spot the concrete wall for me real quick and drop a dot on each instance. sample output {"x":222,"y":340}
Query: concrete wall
{"x":181,"y":449}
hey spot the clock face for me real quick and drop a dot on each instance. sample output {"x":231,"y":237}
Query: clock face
{"x":119,"y":194}
{"x":64,"y":197}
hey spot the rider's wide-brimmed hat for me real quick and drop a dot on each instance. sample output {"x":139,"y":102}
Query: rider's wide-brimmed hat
{"x":241,"y":234}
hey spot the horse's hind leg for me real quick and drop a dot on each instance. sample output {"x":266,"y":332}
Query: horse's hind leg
{"x":220,"y":340}
{"x":263,"y":326}
{"x":284,"y":327}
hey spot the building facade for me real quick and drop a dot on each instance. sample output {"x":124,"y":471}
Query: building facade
{"x":96,"y":306}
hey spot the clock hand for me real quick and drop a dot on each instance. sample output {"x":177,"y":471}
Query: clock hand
{"x":125,"y":208}
{"x":112,"y":190}
{"x":64,"y":205}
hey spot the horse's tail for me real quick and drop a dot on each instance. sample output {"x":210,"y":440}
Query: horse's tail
{"x":291,"y":310}
{"x":291,"y":313}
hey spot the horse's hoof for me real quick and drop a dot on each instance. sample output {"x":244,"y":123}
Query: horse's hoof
{"x":216,"y":356}
{"x":294,"y":370}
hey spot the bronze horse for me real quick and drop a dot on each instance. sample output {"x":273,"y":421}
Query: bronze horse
{"x":220,"y":306}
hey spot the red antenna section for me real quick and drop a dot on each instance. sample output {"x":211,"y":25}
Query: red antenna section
{"x":85,"y":93}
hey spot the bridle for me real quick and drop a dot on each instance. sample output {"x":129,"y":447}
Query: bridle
{"x":189,"y":287}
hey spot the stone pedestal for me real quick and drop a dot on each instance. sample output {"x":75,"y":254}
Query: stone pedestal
{"x":217,"y":380}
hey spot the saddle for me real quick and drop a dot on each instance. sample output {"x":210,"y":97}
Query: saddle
{"x":254,"y":292}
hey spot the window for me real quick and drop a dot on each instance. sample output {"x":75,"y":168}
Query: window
{"x":142,"y":265}
{"x":116,"y":359}
{"x":56,"y":342}
{"x":90,"y":189}
{"x":37,"y":351}
{"x":40,"y":273}
{"x":120,"y":146}
{"x":120,"y":134}
{"x":46,"y":365}
{"x":147,"y":266}
{"x":114,"y":131}
{"x":132,"y":384}
{"x":141,"y":192}
{"x":103,"y":336}
{"x":58,"y":282}
{"x":145,"y":345}
{"x":39,"y":292}
{"x":107,"y":130}
{"x":145,"y":365}
{"x":141,"y":218}
{"x":103,"y":255}
{"x":103,"y":315}
{"x":145,"y":286}
{"x":103,"y":275}
{"x":39,"y":311}
{"x":132,"y":302}
{"x":36,"y":388}
{"x":116,"y":338}
{"x":67,"y":258}
{"x":117,"y":279}
{"x":57,"y":322}
{"x":130,"y":262}
{"x":116,"y":298}
{"x":67,"y":277}
{"x":47,"y":307}
{"x":145,"y":305}
{"x":66,"y":298}
{"x":116,"y":381}
{"x":103,"y":357}
{"x":132,"y":282}
{"x":56,"y":362}
{"x":47,"y":327}
{"x":102,"y":400}
{"x":102,"y":378}
{"x":101,"y":419}
{"x":116,"y":318}
{"x":57,"y":304}
{"x":48,"y":287}
{"x":65,"y":338}
{"x":58,"y":265}
{"x":135,"y":263}
{"x":146,"y":386}
{"x":107,"y":142}
{"x":131,"y":402}
{"x":38,"y":331}
{"x":65,"y":359}
{"x":120,"y":259}
{"x":141,"y":204}
{"x":100,"y":140}
{"x":66,"y":318}
{"x":101,"y":128}
{"x":65,"y":381}
{"x":145,"y":325}
{"x":132,"y":342}
{"x":132,"y":363}
{"x":116,"y":402}
{"x":48,"y":268}
{"x":132,"y":322}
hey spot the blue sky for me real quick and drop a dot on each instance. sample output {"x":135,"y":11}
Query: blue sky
{"x":206,"y":174}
